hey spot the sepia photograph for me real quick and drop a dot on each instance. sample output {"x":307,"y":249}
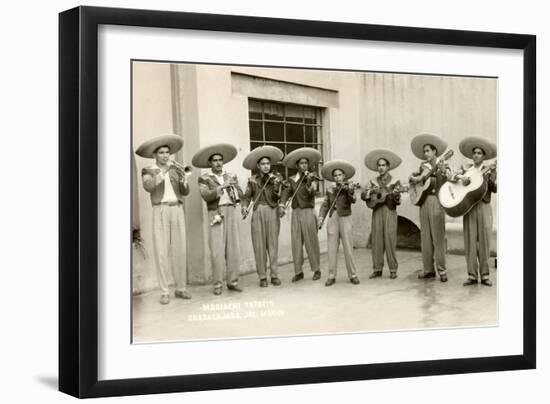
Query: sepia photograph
{"x":273,"y":202}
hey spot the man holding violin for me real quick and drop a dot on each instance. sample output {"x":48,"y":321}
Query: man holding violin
{"x":262,"y":195}
{"x":337,"y":205}
{"x":300,"y":194}
{"x":382,"y":197}
{"x":221,"y":192}
{"x":166,"y":182}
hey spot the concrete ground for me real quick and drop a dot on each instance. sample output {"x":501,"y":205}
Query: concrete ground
{"x":308,"y":307}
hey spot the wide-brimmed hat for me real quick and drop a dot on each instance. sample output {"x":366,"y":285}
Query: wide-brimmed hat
{"x":330,"y":166}
{"x":371,"y":159}
{"x":271,"y":152}
{"x":468,"y":145}
{"x":312,"y":155}
{"x":174,"y":143}
{"x":202,"y":157}
{"x":419,"y":141}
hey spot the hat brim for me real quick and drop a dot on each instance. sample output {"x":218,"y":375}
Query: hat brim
{"x":312,"y":155}
{"x":173,"y":142}
{"x":330,"y":166}
{"x":201,"y":159}
{"x":419,"y":141}
{"x":273,"y":153}
{"x":371,"y":159}
{"x":468,"y":145}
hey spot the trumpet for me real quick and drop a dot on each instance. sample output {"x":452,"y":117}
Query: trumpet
{"x":180,"y":168}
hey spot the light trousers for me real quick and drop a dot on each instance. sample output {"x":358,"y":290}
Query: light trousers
{"x":223,"y":239}
{"x":432,"y":235}
{"x":478,"y":224}
{"x":169,"y":246}
{"x":340,"y":229}
{"x":265,"y":239}
{"x":384,"y":238}
{"x":304,"y":232}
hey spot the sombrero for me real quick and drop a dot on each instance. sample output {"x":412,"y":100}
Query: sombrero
{"x":330,"y":166}
{"x":309,"y":153}
{"x":371,"y":159}
{"x":271,"y":152}
{"x":468,"y":145}
{"x":419,"y":141}
{"x":226,"y":150}
{"x":174,"y":143}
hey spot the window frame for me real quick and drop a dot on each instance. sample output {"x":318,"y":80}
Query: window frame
{"x":319,"y":144}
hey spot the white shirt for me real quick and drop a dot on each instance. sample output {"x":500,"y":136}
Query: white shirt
{"x":169,"y":194}
{"x":224,"y":198}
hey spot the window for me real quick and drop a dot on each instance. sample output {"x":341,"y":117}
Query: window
{"x":286,"y":126}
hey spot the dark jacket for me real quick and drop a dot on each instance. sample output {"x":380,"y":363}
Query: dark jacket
{"x":208,"y":188}
{"x":270,"y":196}
{"x":304,"y":198}
{"x":342,"y":205}
{"x":154,"y":184}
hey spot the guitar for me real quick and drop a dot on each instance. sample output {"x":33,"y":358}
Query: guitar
{"x":378,"y":197}
{"x":419,"y":191}
{"x":457,"y":199}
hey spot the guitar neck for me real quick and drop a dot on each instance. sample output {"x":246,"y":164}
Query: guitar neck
{"x":488,"y":169}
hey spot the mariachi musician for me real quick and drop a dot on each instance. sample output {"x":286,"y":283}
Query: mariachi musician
{"x":478,"y":222}
{"x":166,"y":182}
{"x":221,"y":192}
{"x":384,"y":214}
{"x":300,"y":194}
{"x":337,"y":205}
{"x":428,"y":148}
{"x":262,"y":195}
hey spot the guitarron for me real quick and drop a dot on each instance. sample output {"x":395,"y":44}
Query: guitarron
{"x":457,"y":199}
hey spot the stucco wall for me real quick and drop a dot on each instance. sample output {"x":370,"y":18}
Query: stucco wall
{"x":362,"y":111}
{"x":151,"y":116}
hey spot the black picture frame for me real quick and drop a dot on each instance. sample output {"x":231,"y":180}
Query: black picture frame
{"x":78,"y":200}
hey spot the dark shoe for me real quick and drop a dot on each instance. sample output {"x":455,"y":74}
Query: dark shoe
{"x":218,"y":291}
{"x":375,"y":274}
{"x":275,"y":281}
{"x":263,"y":283}
{"x":355,"y":280}
{"x":470,"y":282}
{"x":486,"y":282}
{"x":316,"y":276}
{"x":182,"y":295}
{"x":234,"y":288}
{"x":426,"y":275}
{"x":443,"y":278}
{"x":393,"y":275}
{"x":297,"y":277}
{"x":164,"y":299}
{"x":330,"y":282}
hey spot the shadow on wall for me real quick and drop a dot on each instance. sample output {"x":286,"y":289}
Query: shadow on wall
{"x":408,"y":234}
